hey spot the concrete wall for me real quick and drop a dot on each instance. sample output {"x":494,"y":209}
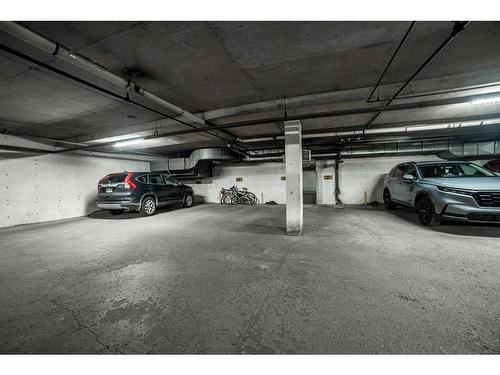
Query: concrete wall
{"x":52,"y":187}
{"x":262,"y":179}
{"x":361,"y":180}
{"x":366,"y":176}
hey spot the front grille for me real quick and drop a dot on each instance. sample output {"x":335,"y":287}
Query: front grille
{"x":483,"y":217}
{"x":488,"y":198}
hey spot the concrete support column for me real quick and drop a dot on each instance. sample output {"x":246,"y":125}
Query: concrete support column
{"x":294,"y":182}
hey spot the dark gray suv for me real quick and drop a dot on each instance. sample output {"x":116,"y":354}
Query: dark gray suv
{"x":455,"y":190}
{"x":141,"y":191}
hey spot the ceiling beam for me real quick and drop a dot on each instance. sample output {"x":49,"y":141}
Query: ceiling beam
{"x":342,"y":99}
{"x":386,"y":125}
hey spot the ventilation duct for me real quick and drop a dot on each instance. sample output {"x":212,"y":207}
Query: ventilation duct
{"x":198,"y":164}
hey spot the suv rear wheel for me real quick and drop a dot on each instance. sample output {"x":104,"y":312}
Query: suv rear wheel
{"x":188,"y":200}
{"x":148,"y":206}
{"x":388,"y":203}
{"x":426,"y":213}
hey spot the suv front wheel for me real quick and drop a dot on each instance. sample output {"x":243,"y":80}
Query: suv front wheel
{"x":148,"y":206}
{"x":426,"y":213}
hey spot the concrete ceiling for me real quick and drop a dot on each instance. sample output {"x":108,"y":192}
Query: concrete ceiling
{"x":206,"y":66}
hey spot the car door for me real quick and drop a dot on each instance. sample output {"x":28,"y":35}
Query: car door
{"x":407,"y":187}
{"x":396,"y":184}
{"x":158,"y":187}
{"x":174,"y":188}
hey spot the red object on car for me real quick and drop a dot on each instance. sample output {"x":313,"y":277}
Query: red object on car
{"x":493,"y":165}
{"x":128,"y":181}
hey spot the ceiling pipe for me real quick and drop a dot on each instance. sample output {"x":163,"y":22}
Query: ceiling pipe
{"x":390,"y":61}
{"x":264,"y":158}
{"x":351,"y":111}
{"x":126,"y":99}
{"x":404,"y":128}
{"x":458,"y":27}
{"x":276,"y":105}
{"x":395,"y":107}
{"x":82,"y":62}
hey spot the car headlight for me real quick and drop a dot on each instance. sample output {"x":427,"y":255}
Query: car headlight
{"x":455,"y":191}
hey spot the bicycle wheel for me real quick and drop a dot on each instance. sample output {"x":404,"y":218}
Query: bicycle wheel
{"x":250,"y":198}
{"x":229,"y":199}
{"x":245,"y":199}
{"x":253,"y":197}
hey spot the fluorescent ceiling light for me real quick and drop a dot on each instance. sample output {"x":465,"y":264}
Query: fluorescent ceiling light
{"x":487,"y":100}
{"x":129,"y":142}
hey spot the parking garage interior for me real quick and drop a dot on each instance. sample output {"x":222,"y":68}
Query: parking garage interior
{"x":310,"y":117}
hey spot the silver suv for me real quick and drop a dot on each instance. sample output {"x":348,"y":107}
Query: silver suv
{"x":455,"y":190}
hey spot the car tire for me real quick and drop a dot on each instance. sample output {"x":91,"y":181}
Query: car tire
{"x":426,"y":213}
{"x":188,"y":200}
{"x":148,"y":207}
{"x":388,"y":203}
{"x":116,"y":212}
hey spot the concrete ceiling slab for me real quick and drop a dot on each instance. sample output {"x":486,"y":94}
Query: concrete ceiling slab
{"x":204,"y":66}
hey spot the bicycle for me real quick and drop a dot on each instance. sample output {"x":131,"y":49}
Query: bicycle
{"x":225,"y":196}
{"x":233,"y":195}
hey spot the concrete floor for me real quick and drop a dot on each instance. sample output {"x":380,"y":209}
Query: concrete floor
{"x":225,"y":279}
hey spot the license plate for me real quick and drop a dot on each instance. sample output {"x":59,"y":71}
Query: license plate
{"x":109,"y":190}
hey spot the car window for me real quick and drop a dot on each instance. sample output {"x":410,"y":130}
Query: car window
{"x":453,"y":170}
{"x":398,"y":173}
{"x":142,"y":179}
{"x":113,"y":178}
{"x":155,"y":179}
{"x":471,"y":170}
{"x":169,"y":180}
{"x":411,"y":170}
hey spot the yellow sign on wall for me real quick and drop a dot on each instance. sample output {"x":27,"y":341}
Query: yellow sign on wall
{"x":328,"y":177}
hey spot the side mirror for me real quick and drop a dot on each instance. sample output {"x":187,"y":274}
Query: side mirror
{"x":409,"y":177}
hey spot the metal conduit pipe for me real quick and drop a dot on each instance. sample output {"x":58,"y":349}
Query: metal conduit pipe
{"x":206,"y":129}
{"x":413,"y":105}
{"x":405,"y":128}
{"x":343,"y":112}
{"x":264,"y":158}
{"x":458,"y":27}
{"x":82,"y":62}
{"x":338,"y":161}
{"x":390,"y":61}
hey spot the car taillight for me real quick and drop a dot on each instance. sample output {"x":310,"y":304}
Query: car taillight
{"x":129,"y":184}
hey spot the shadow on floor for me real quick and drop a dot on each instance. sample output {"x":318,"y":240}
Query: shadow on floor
{"x":262,"y":229}
{"x":107,"y":215}
{"x":451,"y":227}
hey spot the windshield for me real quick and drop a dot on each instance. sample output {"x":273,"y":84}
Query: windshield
{"x":453,"y":170}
